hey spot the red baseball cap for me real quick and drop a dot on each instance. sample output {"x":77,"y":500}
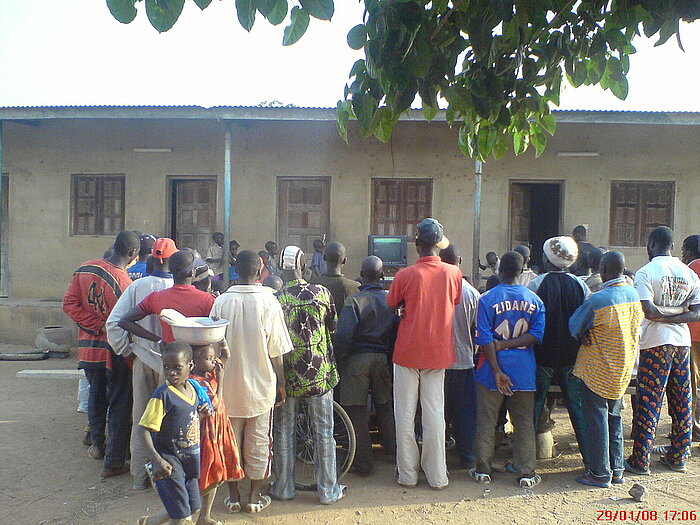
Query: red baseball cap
{"x":163,"y":248}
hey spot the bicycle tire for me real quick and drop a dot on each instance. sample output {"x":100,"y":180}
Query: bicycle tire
{"x":344,"y":434}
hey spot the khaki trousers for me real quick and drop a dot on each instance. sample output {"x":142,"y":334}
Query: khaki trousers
{"x":429,"y":385}
{"x":521,"y":406}
{"x":254,"y":438}
{"x":144,"y":381}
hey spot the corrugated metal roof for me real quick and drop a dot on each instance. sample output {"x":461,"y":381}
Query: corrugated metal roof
{"x":310,"y":114}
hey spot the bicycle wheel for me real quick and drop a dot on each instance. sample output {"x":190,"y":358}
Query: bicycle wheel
{"x":344,"y":435}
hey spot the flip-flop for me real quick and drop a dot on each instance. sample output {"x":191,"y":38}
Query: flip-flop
{"x":479,"y":477}
{"x":232,"y":506}
{"x":263,"y":502}
{"x":527,"y":482}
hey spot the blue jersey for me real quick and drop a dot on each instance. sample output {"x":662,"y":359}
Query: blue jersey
{"x":506,"y":312}
{"x":137,"y":270}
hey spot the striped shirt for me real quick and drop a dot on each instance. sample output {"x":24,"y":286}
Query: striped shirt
{"x":608,"y":323}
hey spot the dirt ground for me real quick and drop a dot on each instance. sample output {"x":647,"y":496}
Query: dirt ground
{"x":47,"y":478}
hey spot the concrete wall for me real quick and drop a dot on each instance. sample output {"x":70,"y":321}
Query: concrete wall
{"x":40,"y":160}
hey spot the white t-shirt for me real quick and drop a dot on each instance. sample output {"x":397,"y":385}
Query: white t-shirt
{"x":465,"y":315}
{"x":256,"y":333}
{"x":666,"y":281}
{"x":216,"y":252}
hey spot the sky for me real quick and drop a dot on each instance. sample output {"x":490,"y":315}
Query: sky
{"x":73,"y":52}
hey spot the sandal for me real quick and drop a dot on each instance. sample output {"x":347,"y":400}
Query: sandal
{"x":635,"y":470}
{"x":232,"y":506}
{"x":527,"y":482}
{"x":479,"y":477}
{"x":260,"y":505}
{"x":675,"y":467}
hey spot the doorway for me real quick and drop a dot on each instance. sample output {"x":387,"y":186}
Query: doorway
{"x":304,"y":211}
{"x":4,"y":236}
{"x":193,"y":212}
{"x":535,"y":215}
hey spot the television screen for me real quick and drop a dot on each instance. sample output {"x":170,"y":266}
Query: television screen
{"x":390,"y":249}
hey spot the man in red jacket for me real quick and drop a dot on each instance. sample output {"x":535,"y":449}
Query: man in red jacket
{"x":428,"y":291}
{"x":92,"y":293}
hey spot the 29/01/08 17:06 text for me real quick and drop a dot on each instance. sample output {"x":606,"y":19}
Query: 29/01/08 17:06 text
{"x":646,"y":515}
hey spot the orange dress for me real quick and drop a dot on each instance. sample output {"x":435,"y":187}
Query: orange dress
{"x":219,"y":451}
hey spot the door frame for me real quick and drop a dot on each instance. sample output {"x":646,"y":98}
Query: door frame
{"x":169,"y":183}
{"x":278,"y":196}
{"x":561,"y":184}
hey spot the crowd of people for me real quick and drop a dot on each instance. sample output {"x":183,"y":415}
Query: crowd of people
{"x":195,"y":417}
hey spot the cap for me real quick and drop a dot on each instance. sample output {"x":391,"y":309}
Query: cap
{"x":291,"y":258}
{"x":201,"y":270}
{"x":163,"y":248}
{"x":430,"y":232}
{"x":561,"y":251}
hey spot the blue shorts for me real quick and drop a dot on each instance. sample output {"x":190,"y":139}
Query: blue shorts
{"x":179,"y":492}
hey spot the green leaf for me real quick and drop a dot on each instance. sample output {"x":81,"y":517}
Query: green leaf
{"x":357,"y":36}
{"x":383,"y":124}
{"x":297,"y":26}
{"x":342,"y":112}
{"x":501,"y":146}
{"x":364,"y":107}
{"x":619,"y":87}
{"x":246,"y":13}
{"x":202,"y":4}
{"x":122,"y":10}
{"x":276,"y":11}
{"x":521,"y":140}
{"x":549,"y":123}
{"x":539,"y":140}
{"x":358,"y":68}
{"x":162,"y":14}
{"x":321,"y":9}
{"x":429,"y":112}
{"x":464,"y":140}
{"x":486,"y":139}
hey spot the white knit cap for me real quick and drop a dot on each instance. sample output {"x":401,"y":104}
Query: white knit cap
{"x":291,"y":258}
{"x":561,"y":251}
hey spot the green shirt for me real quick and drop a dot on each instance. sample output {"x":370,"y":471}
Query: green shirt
{"x":309,"y":312}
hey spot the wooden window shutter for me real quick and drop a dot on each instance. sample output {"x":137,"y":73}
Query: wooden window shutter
{"x":399,"y":204}
{"x":98,"y":204}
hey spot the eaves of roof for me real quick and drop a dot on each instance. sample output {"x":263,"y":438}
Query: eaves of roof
{"x":226,"y":113}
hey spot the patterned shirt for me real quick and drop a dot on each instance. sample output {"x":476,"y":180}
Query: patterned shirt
{"x":611,"y":318}
{"x":310,"y":315}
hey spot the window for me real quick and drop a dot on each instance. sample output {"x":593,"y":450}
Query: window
{"x":398,"y":205}
{"x":636,"y":208}
{"x":98,"y":204}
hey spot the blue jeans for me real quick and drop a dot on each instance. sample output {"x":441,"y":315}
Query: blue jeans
{"x":604,"y":433}
{"x":109,"y":404}
{"x":460,"y":410}
{"x":571,"y":389}
{"x":320,"y":410}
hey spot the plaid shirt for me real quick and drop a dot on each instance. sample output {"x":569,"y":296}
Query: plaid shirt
{"x":309,"y":312}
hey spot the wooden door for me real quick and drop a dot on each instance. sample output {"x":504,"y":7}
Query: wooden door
{"x":194,"y":213}
{"x":304,"y":212}
{"x":519,"y":215}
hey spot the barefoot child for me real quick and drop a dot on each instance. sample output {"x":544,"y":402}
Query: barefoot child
{"x":170,"y":432}
{"x":219,"y":451}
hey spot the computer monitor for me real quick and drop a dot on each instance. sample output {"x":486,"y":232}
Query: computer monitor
{"x":391,"y":249}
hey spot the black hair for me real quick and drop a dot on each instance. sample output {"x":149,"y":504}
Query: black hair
{"x":232,"y":243}
{"x":147,"y":242}
{"x":247,"y":264}
{"x":335,"y":252}
{"x":216,"y":233}
{"x":218,"y":286}
{"x":150,"y":264}
{"x":511,"y":264}
{"x":580,"y":229}
{"x":692,"y":244}
{"x":491,"y":253}
{"x":662,"y":237}
{"x":594,"y":257}
{"x":492,"y":282}
{"x":179,"y":262}
{"x":614,"y":262}
{"x":126,"y":242}
{"x":178,"y":348}
{"x":450,"y":255}
{"x":523,"y":250}
{"x":269,"y":245}
{"x":274,"y":281}
{"x":197,"y":349}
